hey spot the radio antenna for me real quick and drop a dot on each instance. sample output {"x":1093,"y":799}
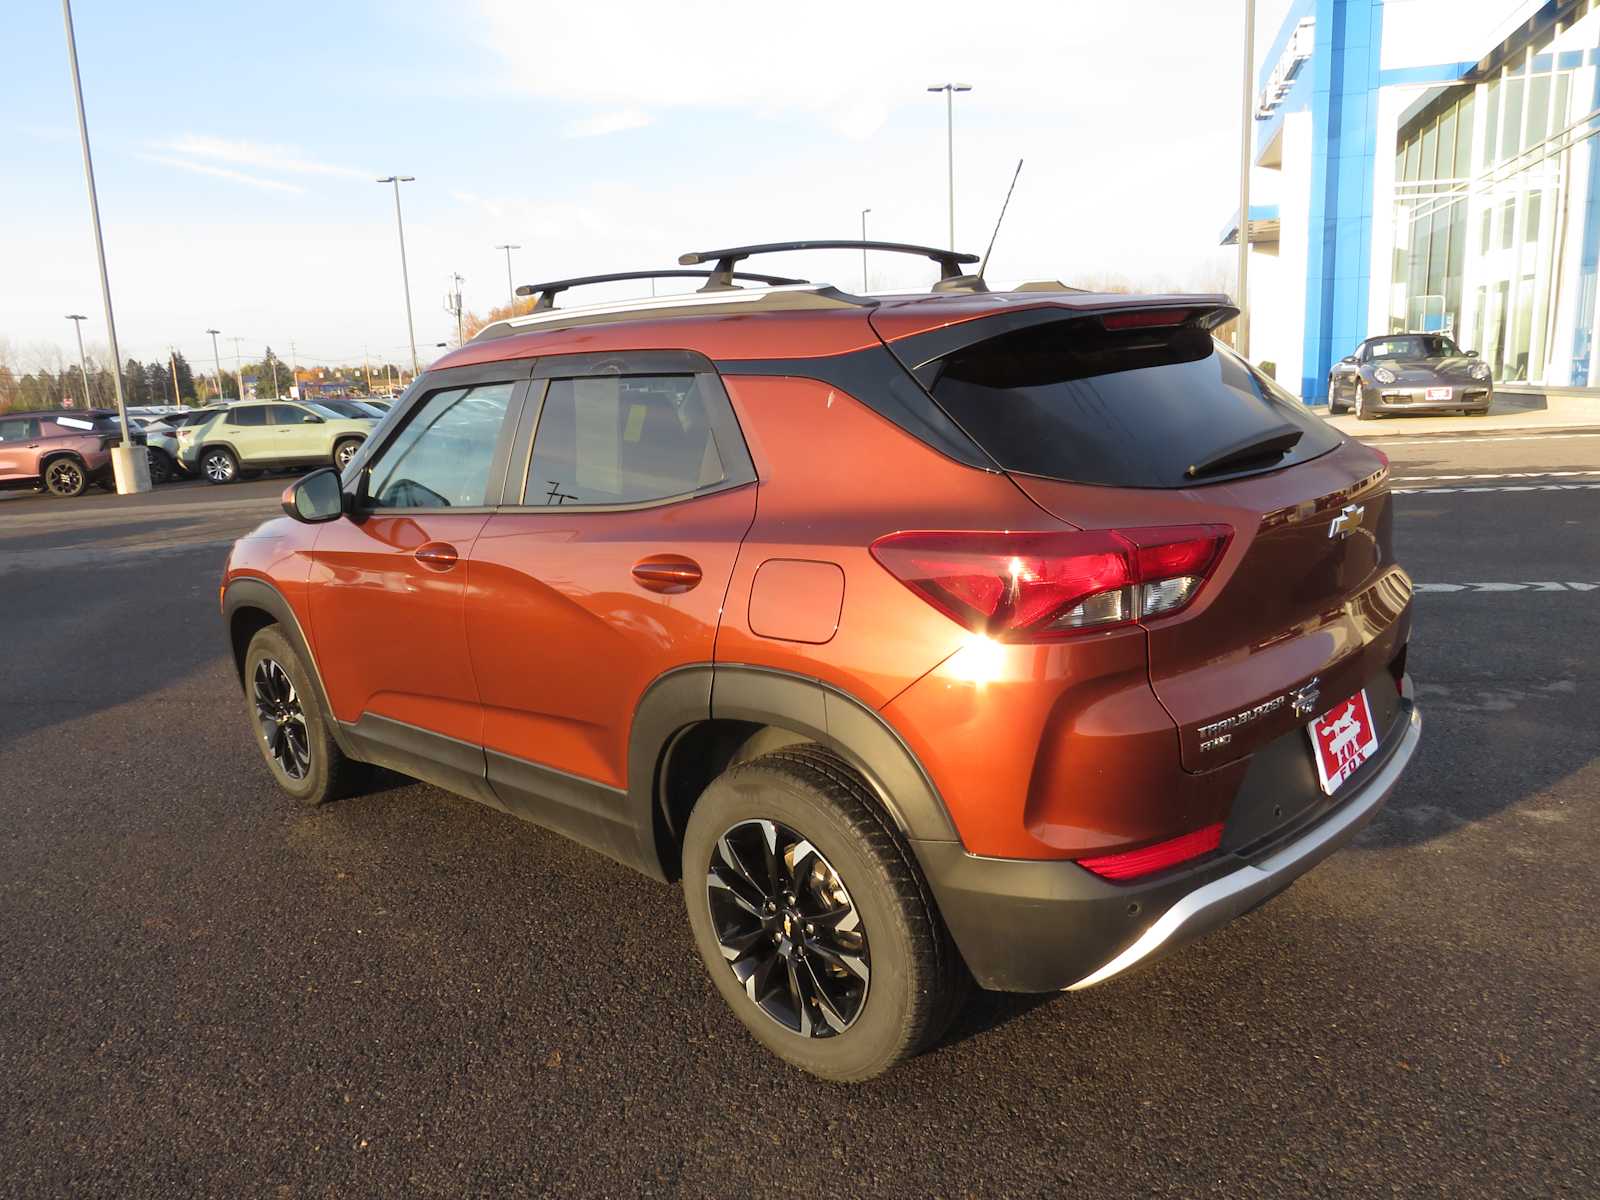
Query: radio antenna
{"x":1003,"y":208}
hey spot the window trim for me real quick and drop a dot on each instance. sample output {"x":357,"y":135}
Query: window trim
{"x":738,"y":467}
{"x":513,"y":372}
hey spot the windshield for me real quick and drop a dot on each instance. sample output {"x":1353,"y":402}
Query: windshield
{"x":1414,"y":346}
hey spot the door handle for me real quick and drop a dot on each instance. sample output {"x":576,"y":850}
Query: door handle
{"x":667,"y":573}
{"x":437,"y":556}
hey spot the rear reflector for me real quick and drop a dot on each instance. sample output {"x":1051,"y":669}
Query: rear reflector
{"x":1150,"y":859}
{"x":1027,"y":587}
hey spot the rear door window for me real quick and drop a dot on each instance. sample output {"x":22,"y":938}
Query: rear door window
{"x":1134,"y":408}
{"x":622,"y":439}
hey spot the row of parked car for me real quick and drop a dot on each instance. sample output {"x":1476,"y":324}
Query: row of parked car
{"x":66,"y":451}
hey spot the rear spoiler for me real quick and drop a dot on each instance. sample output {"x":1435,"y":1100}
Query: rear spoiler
{"x":1115,"y":313}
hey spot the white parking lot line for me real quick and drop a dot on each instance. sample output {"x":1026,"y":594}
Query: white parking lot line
{"x":1539,"y":585}
{"x":1495,"y":475}
{"x":1444,"y":440}
{"x":1516,"y":487}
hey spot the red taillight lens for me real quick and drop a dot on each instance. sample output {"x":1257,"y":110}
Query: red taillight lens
{"x":1145,"y":318}
{"x":1039,"y":586}
{"x":1150,"y":859}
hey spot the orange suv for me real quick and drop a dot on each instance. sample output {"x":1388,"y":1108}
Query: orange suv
{"x":1017,"y":637}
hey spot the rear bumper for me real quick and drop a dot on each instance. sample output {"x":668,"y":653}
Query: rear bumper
{"x":1028,"y":926}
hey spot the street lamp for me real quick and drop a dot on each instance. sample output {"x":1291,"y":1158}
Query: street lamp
{"x":77,"y":320}
{"x":1246,"y":138}
{"x":126,"y":466}
{"x":864,"y":213}
{"x":511,"y":288}
{"x":216,"y":356}
{"x":949,"y":90}
{"x":405,"y":275}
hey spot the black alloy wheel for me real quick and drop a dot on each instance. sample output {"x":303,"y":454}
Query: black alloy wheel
{"x":281,"y":719}
{"x":65,"y":477}
{"x":788,"y":929}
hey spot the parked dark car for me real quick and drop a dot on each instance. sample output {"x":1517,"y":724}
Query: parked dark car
{"x":1410,"y":373}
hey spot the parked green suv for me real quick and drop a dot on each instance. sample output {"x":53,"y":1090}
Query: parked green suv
{"x":262,"y":434}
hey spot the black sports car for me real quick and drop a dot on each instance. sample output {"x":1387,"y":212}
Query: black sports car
{"x":1410,"y":373}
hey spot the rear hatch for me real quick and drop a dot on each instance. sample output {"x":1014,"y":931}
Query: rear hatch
{"x":1138,"y":418}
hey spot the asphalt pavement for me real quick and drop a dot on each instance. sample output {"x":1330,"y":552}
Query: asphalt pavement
{"x":207,"y":990}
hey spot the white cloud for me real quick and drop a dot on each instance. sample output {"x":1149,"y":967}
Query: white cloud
{"x":254,"y":181}
{"x":611,"y":122}
{"x":260,"y":155}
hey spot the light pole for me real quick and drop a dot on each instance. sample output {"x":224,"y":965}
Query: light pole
{"x":238,"y":365}
{"x":864,"y":213}
{"x":950,"y":90}
{"x":1246,"y":147}
{"x":405,"y":275}
{"x":77,"y":320}
{"x":136,"y":480}
{"x":216,"y":356}
{"x":511,"y":288}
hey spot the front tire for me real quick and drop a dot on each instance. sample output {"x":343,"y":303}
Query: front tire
{"x":291,"y":730}
{"x":813,"y":920}
{"x":219,"y":465}
{"x":345,"y":451}
{"x":1363,"y":407}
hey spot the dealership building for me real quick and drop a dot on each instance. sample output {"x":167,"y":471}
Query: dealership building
{"x":1428,"y":165}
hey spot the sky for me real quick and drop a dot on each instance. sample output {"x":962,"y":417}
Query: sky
{"x":237,"y":148}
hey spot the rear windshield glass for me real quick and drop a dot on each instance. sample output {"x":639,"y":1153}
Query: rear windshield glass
{"x":1138,"y":408}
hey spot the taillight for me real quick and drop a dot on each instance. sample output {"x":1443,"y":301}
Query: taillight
{"x":1149,"y":859}
{"x":1024,"y":587}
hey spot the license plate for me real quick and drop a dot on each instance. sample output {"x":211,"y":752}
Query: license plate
{"x":1443,"y":393}
{"x":1342,"y":739}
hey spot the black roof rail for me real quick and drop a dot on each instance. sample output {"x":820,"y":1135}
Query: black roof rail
{"x":722,"y":275}
{"x":548,"y":291}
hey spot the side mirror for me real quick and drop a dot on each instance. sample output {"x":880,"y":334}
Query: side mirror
{"x":1471,"y":353}
{"x":315,"y":498}
{"x":313,"y":419}
{"x":1349,"y":360}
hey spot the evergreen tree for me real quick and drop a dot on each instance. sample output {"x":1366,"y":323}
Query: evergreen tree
{"x":160,"y":383}
{"x":185,"y":378}
{"x":135,"y":387}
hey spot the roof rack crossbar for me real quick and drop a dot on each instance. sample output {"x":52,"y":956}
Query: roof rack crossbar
{"x":548,"y":292}
{"x":722,"y":275}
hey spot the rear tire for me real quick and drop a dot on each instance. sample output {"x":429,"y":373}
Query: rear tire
{"x":65,"y":478}
{"x":162,"y":468}
{"x":218,"y":465}
{"x":835,"y":856}
{"x":291,"y":730}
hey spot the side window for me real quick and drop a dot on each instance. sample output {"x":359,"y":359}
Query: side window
{"x":288,"y":414}
{"x":20,"y":429}
{"x":622,"y":439}
{"x":441,"y":457}
{"x":255,"y":414}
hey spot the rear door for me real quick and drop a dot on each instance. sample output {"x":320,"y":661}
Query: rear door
{"x":1152,"y":425}
{"x":246,"y":429}
{"x":606,"y":568}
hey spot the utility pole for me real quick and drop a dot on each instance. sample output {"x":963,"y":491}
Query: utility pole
{"x":452,"y":305}
{"x":1246,"y":154}
{"x":864,"y":213}
{"x":77,"y":320}
{"x":238,"y":366}
{"x":366,"y":362}
{"x":172,"y":362}
{"x":135,"y":478}
{"x":294,"y":372}
{"x":949,"y":90}
{"x":216,"y":356}
{"x":271,"y":364}
{"x":511,"y":288}
{"x":405,"y":274}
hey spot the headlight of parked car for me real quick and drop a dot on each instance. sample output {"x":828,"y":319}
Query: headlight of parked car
{"x":1383,"y":375}
{"x":1481,"y":370}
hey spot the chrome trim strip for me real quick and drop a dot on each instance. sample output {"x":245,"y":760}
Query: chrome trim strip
{"x":1269,"y":874}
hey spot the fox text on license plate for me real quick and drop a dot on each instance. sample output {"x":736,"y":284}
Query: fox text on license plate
{"x":1342,"y":739}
